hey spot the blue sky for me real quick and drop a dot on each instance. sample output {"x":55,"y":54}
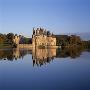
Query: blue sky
{"x":58,"y":16}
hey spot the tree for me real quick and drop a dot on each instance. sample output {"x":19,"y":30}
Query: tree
{"x":10,"y":37}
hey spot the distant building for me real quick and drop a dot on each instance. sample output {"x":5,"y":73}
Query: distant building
{"x":43,"y":37}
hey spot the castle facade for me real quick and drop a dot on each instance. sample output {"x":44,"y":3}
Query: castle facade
{"x":41,"y":37}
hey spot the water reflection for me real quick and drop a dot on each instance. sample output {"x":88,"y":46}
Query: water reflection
{"x":72,"y":52}
{"x":13,"y":54}
{"x":41,"y":56}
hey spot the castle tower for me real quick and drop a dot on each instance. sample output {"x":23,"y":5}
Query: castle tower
{"x":33,"y":31}
{"x":16,"y":39}
{"x":33,"y":37}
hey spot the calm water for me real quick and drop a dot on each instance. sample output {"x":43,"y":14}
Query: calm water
{"x":42,"y":69}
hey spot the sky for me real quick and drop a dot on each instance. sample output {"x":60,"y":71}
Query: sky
{"x":58,"y":16}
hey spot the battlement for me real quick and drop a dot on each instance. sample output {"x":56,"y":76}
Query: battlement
{"x":41,"y":31}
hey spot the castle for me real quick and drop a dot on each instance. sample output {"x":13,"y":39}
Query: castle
{"x":40,"y":37}
{"x":16,"y":39}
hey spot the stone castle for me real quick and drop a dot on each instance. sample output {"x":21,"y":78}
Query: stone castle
{"x":40,"y":37}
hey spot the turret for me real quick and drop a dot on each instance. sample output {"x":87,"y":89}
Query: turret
{"x":33,"y":31}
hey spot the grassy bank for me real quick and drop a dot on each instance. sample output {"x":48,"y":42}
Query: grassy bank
{"x":5,"y":46}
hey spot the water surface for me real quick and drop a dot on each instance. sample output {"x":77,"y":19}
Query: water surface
{"x":44,"y":69}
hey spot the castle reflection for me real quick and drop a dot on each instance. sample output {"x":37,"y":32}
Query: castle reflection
{"x":40,"y":56}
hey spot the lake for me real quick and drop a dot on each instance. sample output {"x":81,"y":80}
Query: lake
{"x":45,"y":69}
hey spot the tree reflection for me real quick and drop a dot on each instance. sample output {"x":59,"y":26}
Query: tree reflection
{"x":41,"y":56}
{"x":72,"y":52}
{"x":13,"y":54}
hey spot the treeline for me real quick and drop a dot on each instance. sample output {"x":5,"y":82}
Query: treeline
{"x":71,"y":41}
{"x":7,"y":40}
{"x":61,"y":40}
{"x":65,"y":40}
